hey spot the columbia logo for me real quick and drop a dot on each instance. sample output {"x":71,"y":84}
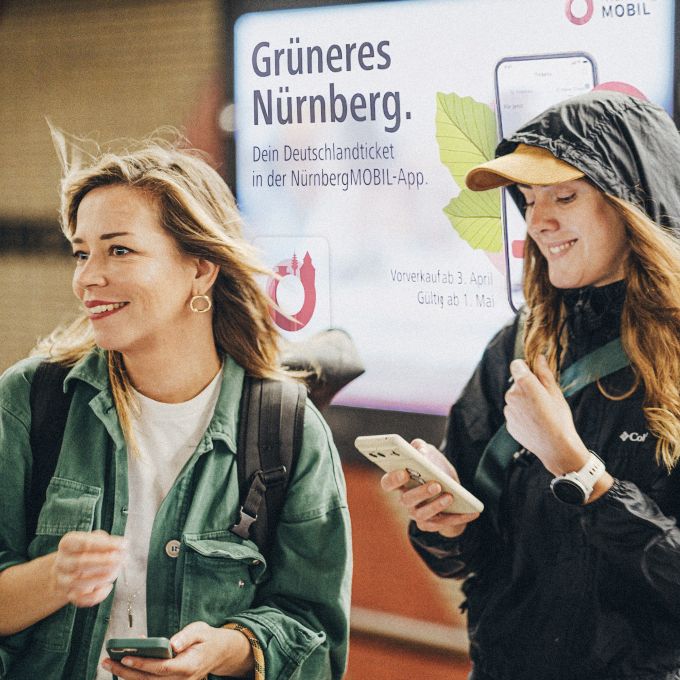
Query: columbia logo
{"x":633,"y":436}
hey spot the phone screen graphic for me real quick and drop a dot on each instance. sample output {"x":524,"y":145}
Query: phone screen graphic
{"x":525,"y":86}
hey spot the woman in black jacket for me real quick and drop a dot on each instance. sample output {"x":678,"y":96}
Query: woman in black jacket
{"x":573,"y":569}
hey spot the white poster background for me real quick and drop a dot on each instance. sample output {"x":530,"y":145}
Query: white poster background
{"x":419,"y":340}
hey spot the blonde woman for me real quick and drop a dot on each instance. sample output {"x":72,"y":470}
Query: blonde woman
{"x":133,"y":539}
{"x":573,"y":569}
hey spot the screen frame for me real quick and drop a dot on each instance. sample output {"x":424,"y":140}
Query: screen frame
{"x":347,"y":421}
{"x":505,"y":198}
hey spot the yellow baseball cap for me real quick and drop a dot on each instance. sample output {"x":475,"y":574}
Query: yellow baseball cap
{"x":525,"y":165}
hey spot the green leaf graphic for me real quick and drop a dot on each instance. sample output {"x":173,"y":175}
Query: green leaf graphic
{"x":466,"y":134}
{"x":475,"y":215}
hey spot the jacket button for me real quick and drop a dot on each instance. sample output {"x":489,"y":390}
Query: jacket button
{"x":241,"y":583}
{"x":172,"y":548}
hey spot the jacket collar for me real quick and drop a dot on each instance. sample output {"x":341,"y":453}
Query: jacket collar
{"x":593,"y":317}
{"x":596,"y":303}
{"x":92,"y":369}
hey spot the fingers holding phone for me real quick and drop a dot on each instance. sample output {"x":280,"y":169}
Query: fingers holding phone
{"x":198,"y":650}
{"x":426,"y":505}
{"x":435,"y":456}
{"x":431,"y":517}
{"x":427,"y":482}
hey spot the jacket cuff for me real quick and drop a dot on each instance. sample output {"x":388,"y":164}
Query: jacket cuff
{"x":626,"y":516}
{"x":258,"y":654}
{"x":616,"y":491}
{"x":290,"y":647}
{"x":432,"y":542}
{"x":440,"y":554}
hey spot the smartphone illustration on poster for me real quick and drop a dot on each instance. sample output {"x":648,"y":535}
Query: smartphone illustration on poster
{"x":525,"y":86}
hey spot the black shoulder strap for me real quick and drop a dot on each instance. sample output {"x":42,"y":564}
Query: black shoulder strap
{"x":49,"y":409}
{"x":489,"y":479}
{"x":270,"y":439}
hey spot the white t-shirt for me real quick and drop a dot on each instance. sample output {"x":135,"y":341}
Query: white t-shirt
{"x":166,"y":435}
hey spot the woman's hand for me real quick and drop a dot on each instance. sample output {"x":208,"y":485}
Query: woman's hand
{"x":86,"y":565}
{"x":200,"y":649}
{"x":538,"y":417}
{"x":426,"y":502}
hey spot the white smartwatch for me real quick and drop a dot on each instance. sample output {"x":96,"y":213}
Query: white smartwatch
{"x":575,"y":487}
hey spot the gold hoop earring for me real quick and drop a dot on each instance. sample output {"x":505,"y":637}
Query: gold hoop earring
{"x":205,"y":300}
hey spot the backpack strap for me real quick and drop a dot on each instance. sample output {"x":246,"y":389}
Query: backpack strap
{"x":270,"y":438}
{"x":489,"y":479}
{"x":49,"y":410}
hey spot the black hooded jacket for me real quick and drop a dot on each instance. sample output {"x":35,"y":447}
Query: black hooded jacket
{"x":627,"y":147}
{"x":565,"y":592}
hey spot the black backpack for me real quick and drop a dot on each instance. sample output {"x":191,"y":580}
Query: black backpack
{"x":269,"y":442}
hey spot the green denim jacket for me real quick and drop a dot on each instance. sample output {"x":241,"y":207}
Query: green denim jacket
{"x":297,"y":605}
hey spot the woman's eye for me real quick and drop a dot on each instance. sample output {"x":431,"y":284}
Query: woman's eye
{"x":119,"y":250}
{"x":566,"y":199}
{"x":79,"y":256}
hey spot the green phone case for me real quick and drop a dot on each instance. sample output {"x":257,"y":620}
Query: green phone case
{"x":154,"y":648}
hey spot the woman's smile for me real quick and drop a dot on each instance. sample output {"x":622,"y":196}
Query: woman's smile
{"x":98,"y":309}
{"x":560,"y":248}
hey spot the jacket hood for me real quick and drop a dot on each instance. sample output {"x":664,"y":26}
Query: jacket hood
{"x":627,"y":147}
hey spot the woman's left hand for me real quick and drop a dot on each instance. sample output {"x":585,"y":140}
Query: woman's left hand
{"x":199,"y":649}
{"x":538,"y":417}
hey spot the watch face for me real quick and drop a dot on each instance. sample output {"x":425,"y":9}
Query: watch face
{"x":568,"y":491}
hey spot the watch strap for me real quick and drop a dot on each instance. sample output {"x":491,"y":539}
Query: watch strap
{"x":586,"y":477}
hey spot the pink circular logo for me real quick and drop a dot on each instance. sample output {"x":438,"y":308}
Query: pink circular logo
{"x":585,"y":17}
{"x":290,"y":272}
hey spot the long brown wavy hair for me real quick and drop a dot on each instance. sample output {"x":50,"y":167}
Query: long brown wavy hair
{"x":198,"y":210}
{"x":650,"y":323}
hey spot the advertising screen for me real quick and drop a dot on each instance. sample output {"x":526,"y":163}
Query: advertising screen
{"x":355,"y":126}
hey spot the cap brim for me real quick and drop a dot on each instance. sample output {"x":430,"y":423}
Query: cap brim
{"x":525,"y":165}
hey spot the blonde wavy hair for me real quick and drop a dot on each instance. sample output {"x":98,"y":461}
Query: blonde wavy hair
{"x":650,"y":323}
{"x":198,"y":210}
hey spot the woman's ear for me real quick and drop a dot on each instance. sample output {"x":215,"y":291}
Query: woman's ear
{"x":206,"y":274}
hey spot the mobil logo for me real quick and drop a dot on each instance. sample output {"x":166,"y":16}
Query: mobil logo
{"x":299,"y":285}
{"x":579,"y":12}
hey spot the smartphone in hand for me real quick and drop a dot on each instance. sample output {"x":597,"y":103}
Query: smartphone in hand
{"x":152,"y":648}
{"x":392,"y":452}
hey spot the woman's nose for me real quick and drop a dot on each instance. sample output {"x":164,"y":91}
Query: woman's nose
{"x":541,"y":217}
{"x":90,"y":273}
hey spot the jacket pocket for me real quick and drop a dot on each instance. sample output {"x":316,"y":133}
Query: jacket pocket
{"x":219,"y":578}
{"x":69,"y":506}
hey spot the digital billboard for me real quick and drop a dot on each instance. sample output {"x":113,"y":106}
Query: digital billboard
{"x":355,"y":126}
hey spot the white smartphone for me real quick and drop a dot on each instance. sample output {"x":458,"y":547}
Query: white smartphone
{"x":392,"y":452}
{"x":526,"y":86}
